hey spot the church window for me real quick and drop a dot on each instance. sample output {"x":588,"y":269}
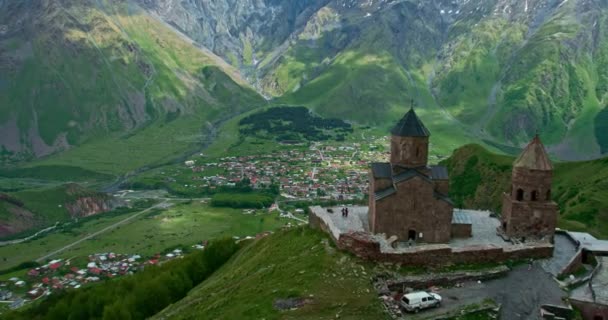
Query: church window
{"x":548,"y":194}
{"x":418,"y":152}
{"x":520,"y":195}
{"x":534,"y":195}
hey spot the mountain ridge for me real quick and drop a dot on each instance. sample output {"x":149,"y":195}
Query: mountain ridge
{"x":106,"y":70}
{"x":478,"y":60}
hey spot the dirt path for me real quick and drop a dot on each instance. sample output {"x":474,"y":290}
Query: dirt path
{"x":104,"y":230}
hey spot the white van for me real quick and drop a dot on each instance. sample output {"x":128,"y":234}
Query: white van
{"x":416,"y":301}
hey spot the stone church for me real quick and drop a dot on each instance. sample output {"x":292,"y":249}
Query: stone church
{"x":528,"y":211}
{"x":407,"y":197}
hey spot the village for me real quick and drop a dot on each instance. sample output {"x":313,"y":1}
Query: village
{"x":60,"y":274}
{"x":319,"y":172}
{"x":64,"y":274}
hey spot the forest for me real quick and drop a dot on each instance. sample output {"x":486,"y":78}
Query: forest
{"x":286,"y":124}
{"x":252,"y":200}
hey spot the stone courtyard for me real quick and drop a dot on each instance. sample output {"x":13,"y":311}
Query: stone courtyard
{"x":485,"y":244}
{"x":483,"y":228}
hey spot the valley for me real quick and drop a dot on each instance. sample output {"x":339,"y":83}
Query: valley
{"x":196,"y":135}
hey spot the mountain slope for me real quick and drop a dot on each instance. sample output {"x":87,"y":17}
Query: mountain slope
{"x":478,"y":178}
{"x":502,"y":69}
{"x":298,"y":265}
{"x":106,"y":76}
{"x":24,"y":211}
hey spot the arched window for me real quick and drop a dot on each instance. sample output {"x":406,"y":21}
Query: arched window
{"x":417,"y":152}
{"x":548,"y":194}
{"x":520,"y":195}
{"x":534,"y":195}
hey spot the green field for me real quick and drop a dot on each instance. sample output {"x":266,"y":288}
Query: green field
{"x":179,"y":226}
{"x":298,"y":263}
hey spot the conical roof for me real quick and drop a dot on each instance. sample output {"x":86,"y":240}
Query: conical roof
{"x":534,"y":157}
{"x":410,"y":126}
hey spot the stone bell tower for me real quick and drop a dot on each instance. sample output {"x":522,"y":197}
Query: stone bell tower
{"x":528,"y":211}
{"x":409,"y":143}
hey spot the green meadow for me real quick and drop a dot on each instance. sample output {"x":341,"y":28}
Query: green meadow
{"x":179,"y":226}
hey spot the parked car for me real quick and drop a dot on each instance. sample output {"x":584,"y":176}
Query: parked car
{"x":416,"y":301}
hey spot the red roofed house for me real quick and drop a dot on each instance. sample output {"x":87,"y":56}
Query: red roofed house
{"x":95,"y":271}
{"x":33,"y":273}
{"x":55,"y":266}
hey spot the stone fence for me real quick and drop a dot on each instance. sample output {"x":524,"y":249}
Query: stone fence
{"x":364,"y":246}
{"x":367,"y":247}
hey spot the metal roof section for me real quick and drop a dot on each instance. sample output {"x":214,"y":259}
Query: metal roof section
{"x":382,"y":170}
{"x":410,"y":126}
{"x":385,"y":193}
{"x":534,"y":157}
{"x":439,"y":173}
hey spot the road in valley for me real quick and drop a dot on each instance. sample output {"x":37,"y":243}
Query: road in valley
{"x":162,"y":205}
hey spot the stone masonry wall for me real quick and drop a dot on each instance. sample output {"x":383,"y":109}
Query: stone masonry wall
{"x":574,"y":265}
{"x":397,"y":214}
{"x":590,"y":310}
{"x":529,"y":219}
{"x":364,"y":246}
{"x":410,"y":152}
{"x":462,"y":230}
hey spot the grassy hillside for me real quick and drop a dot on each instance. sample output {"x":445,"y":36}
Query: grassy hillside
{"x":109,"y":83}
{"x":177,"y":227}
{"x":24,"y":212}
{"x":478,"y":178}
{"x":299,"y":264}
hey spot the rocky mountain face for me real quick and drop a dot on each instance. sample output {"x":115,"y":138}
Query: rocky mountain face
{"x":76,"y":71}
{"x":25,"y":210}
{"x":83,"y":203}
{"x":504,"y":69}
{"x":492,"y":71}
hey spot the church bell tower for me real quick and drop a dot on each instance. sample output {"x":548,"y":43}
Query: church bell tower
{"x":528,"y":211}
{"x":409,"y":142}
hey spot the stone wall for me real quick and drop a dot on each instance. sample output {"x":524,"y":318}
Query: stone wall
{"x":574,"y":265}
{"x":528,"y":210}
{"x":427,"y":280}
{"x":529,"y":218}
{"x":590,"y":310}
{"x":315,"y":222}
{"x":442,"y":186}
{"x":366,"y":247}
{"x":410,"y":152}
{"x":401,"y":213}
{"x":462,"y":230}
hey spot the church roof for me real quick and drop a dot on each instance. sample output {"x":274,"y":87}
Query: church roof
{"x":534,"y":157}
{"x":384,"y":193}
{"x":382,"y":170}
{"x":439,"y":173}
{"x":409,"y":174}
{"x":410,"y":126}
{"x":443,"y":197}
